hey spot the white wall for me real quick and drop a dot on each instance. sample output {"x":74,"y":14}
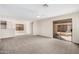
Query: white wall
{"x":35,"y":28}
{"x":45,"y":27}
{"x":11,"y":28}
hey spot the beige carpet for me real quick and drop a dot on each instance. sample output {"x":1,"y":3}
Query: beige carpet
{"x":29,"y":44}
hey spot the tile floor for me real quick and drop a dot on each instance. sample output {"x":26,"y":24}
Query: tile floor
{"x":29,"y":44}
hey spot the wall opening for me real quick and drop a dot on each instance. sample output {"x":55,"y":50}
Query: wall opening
{"x":62,"y":29}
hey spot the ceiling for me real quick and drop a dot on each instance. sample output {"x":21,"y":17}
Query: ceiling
{"x":36,"y":11}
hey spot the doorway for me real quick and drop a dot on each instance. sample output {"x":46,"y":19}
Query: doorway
{"x":62,"y":29}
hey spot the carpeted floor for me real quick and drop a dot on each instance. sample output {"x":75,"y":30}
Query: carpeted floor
{"x":29,"y":44}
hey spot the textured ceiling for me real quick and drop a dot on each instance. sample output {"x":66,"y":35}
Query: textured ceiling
{"x":31,"y":11}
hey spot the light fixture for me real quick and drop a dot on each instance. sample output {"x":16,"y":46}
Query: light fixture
{"x":45,"y":5}
{"x":37,"y":16}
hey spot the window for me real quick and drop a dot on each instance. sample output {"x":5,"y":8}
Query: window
{"x":3,"y":25}
{"x":62,"y":28}
{"x":19,"y":27}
